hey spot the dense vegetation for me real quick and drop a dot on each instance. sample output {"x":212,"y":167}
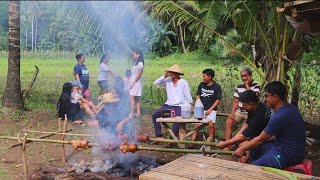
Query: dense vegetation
{"x":195,"y":34}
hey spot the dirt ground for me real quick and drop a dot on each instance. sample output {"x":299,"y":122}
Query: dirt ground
{"x":45,"y":158}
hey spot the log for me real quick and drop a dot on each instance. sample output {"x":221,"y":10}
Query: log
{"x":183,"y":141}
{"x":40,"y":137}
{"x":184,"y":150}
{"x":60,"y":133}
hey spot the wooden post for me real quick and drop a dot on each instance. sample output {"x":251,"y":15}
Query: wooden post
{"x":63,"y":151}
{"x":24,"y":155}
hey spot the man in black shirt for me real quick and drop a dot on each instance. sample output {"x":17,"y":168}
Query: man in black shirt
{"x":209,"y":93}
{"x":258,"y":118}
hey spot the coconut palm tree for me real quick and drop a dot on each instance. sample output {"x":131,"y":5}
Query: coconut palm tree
{"x":13,"y":96}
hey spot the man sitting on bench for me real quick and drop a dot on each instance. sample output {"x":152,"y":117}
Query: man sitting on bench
{"x":288,"y":128}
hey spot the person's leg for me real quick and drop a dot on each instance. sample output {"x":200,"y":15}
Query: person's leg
{"x":211,"y":132}
{"x":175,"y":127}
{"x":228,"y":129}
{"x":157,"y":126}
{"x":212,"y":116}
{"x":88,"y":110}
{"x":131,"y":104}
{"x":195,"y":135}
{"x":137,"y":100}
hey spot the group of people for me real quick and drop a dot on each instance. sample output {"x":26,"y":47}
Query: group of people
{"x":75,"y":100}
{"x":273,"y":132}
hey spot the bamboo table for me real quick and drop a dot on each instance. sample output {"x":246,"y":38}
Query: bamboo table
{"x":182,"y":127}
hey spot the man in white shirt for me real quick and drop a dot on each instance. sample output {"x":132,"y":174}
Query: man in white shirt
{"x":177,"y":91}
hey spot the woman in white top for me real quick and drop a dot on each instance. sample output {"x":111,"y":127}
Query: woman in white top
{"x":135,"y":82}
{"x":104,"y":71}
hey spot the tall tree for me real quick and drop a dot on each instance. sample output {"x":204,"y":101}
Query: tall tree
{"x":13,"y":96}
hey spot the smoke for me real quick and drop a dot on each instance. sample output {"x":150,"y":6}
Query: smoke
{"x":123,"y":26}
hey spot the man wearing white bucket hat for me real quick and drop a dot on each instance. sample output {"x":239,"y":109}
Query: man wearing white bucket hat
{"x":177,"y":91}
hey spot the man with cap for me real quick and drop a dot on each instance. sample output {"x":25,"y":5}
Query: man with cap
{"x":177,"y":91}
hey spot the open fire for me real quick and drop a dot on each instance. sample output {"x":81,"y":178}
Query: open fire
{"x":129,"y":167}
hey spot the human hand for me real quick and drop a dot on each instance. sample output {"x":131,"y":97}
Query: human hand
{"x":119,"y":127}
{"x":166,"y":74}
{"x":238,"y":153}
{"x":231,"y":116}
{"x":208,"y":112}
{"x":221,"y":145}
{"x":131,"y":86}
{"x":248,"y":82}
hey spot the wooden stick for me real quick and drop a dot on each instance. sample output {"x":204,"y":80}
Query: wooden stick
{"x":63,"y":151}
{"x":184,"y":141}
{"x":44,"y":140}
{"x":172,"y":134}
{"x":184,"y":150}
{"x":60,"y":133}
{"x":40,"y":137}
{"x":23,"y":154}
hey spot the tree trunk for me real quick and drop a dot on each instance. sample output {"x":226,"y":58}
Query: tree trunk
{"x":32,"y":19}
{"x":13,"y":96}
{"x":296,"y":86}
{"x":182,"y":41}
{"x":35,"y":35}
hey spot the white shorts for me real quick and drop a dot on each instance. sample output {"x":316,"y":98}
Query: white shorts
{"x":212,"y":116}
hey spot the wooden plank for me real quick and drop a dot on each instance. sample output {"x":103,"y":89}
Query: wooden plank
{"x":179,"y":119}
{"x":200,"y":167}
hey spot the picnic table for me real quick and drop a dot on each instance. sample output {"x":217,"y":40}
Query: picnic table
{"x":182,"y":127}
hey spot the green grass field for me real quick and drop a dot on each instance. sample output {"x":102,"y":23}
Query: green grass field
{"x":56,"y":68}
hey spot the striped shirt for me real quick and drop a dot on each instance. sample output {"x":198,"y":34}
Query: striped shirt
{"x":242,"y":88}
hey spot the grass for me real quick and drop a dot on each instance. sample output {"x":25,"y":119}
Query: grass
{"x":3,"y":174}
{"x":56,"y":68}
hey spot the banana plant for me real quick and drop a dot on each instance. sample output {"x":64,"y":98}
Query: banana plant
{"x":180,"y":16}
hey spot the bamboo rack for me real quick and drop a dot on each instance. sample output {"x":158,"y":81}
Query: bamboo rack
{"x":183,"y":141}
{"x":43,"y":140}
{"x":59,"y":133}
{"x":40,"y":137}
{"x":184,"y":150}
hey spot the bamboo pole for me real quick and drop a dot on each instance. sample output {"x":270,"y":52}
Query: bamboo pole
{"x":63,"y":151}
{"x":23,"y":154}
{"x":40,"y":137}
{"x":44,"y":140}
{"x":184,"y":141}
{"x":60,"y":133}
{"x":184,"y":150}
